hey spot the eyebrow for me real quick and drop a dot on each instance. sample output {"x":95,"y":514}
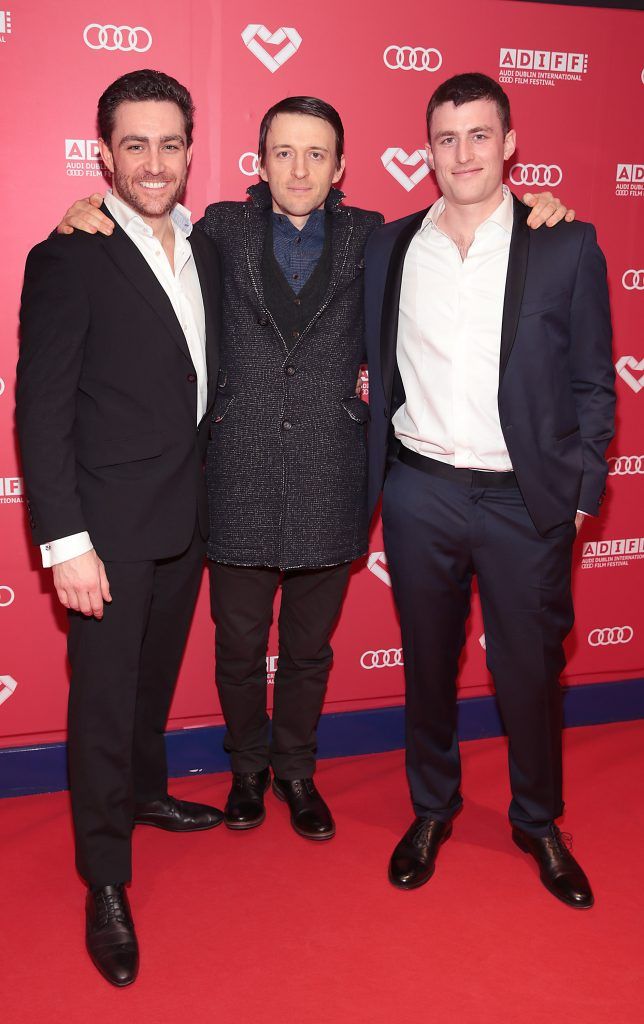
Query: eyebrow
{"x":145,"y":138}
{"x":470,"y":131}
{"x":289,"y":145}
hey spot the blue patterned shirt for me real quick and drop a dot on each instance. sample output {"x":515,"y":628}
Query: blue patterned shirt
{"x":297,"y":252}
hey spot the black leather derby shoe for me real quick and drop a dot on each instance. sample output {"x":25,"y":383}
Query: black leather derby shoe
{"x":310,"y":816}
{"x":559,"y":871}
{"x":245,"y":805}
{"x":177,"y":815}
{"x":110,"y":937}
{"x":414,"y":859}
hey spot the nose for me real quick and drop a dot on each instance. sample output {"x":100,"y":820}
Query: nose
{"x":154,"y":163}
{"x":463,"y":151}
{"x":299,"y":168}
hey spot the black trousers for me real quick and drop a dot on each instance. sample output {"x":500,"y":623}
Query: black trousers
{"x":124,"y":669}
{"x":437,"y":535}
{"x":242,"y":607}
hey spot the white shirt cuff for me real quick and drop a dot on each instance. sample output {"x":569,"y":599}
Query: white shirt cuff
{"x":66,"y":547}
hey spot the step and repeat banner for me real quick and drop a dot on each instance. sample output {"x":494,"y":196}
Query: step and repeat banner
{"x":575,"y":78}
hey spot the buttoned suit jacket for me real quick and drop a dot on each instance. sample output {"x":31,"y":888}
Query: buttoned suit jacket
{"x":106,"y":397}
{"x":556,"y":378}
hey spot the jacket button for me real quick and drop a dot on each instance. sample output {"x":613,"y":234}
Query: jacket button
{"x":191,"y":378}
{"x":297,"y":302}
{"x":286,"y":424}
{"x":386,"y":413}
{"x":262,"y":321}
{"x":290,"y":371}
{"x":295,"y":334}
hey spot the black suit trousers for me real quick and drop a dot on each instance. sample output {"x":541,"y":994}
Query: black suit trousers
{"x":438,"y":534}
{"x":124,"y":669}
{"x":242,"y":607}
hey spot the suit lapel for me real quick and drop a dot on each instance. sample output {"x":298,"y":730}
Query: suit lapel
{"x":514,"y":282}
{"x":126,"y":256}
{"x":391,"y":301}
{"x":209,"y":281}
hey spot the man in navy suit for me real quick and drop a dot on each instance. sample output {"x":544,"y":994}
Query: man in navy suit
{"x":492,"y":405}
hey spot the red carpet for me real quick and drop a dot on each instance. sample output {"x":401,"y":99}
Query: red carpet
{"x":264,"y":927}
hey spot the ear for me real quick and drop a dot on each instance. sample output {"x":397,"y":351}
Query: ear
{"x":106,"y":155}
{"x":261,"y":170}
{"x":188,"y":155}
{"x":430,"y":158}
{"x":509,"y":144}
{"x":340,"y":170}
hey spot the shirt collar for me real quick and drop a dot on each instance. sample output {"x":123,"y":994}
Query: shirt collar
{"x":503,"y":215}
{"x":313,"y":225}
{"x":133,"y":223}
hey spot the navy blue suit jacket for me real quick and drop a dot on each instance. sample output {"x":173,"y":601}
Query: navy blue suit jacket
{"x":556,"y":381}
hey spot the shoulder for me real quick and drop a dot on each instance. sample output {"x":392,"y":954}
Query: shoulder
{"x":64,"y":249}
{"x":368,"y":219}
{"x":385,"y":236}
{"x":217,"y":215}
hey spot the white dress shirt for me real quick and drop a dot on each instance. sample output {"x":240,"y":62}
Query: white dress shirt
{"x":449,"y":342}
{"x":184,"y":291}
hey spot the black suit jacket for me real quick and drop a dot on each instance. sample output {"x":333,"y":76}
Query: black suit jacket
{"x":556,"y":385}
{"x":106,"y":397}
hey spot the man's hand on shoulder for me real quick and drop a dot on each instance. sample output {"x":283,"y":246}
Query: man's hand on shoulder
{"x":82,"y":585}
{"x":546,"y":209}
{"x":85,"y":215}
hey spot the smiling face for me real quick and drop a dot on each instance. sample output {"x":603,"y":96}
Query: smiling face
{"x":467,"y":149}
{"x":300,"y":164}
{"x":148,"y":156}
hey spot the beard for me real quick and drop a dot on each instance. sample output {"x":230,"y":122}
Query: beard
{"x":155,"y":206}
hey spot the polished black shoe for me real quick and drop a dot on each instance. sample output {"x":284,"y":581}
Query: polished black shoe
{"x":414,"y":859}
{"x":310,"y":816}
{"x":110,"y":937}
{"x":560,"y":872}
{"x":177,"y":815}
{"x":245,"y":805}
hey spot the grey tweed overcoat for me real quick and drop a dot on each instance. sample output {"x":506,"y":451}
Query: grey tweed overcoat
{"x":286,"y":463}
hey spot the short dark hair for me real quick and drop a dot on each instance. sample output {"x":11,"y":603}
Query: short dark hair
{"x":302,"y":105}
{"x":465,"y":89}
{"x":136,"y":86}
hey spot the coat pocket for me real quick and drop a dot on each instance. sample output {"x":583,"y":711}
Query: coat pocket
{"x":356,"y":408}
{"x":116,"y":451}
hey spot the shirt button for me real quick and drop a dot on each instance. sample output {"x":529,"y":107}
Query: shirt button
{"x":296,"y":277}
{"x":191,"y":378}
{"x":295,"y":334}
{"x":298,"y":241}
{"x":286,"y":424}
{"x":290,"y":371}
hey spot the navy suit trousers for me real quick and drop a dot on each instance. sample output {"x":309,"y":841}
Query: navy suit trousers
{"x":438,"y":534}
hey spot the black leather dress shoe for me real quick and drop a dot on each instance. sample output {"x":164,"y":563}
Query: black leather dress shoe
{"x":245,"y":805}
{"x":177,"y":815}
{"x":109,"y":936}
{"x":560,"y":872}
{"x":310,"y":816}
{"x":414,"y":859}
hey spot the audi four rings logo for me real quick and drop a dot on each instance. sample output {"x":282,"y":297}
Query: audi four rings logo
{"x":249,"y":164}
{"x":412,"y":58}
{"x":117,"y":37}
{"x":626,"y":465}
{"x":7,"y":596}
{"x":633,"y":280}
{"x":393,"y":658}
{"x":536,"y":174}
{"x":610,"y":635}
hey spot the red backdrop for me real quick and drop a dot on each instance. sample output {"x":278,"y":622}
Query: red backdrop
{"x":576,"y":83}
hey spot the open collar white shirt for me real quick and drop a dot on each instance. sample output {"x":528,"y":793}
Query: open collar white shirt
{"x":449,"y":342}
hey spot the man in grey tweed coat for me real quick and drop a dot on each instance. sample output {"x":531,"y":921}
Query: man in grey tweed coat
{"x":286,"y":465}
